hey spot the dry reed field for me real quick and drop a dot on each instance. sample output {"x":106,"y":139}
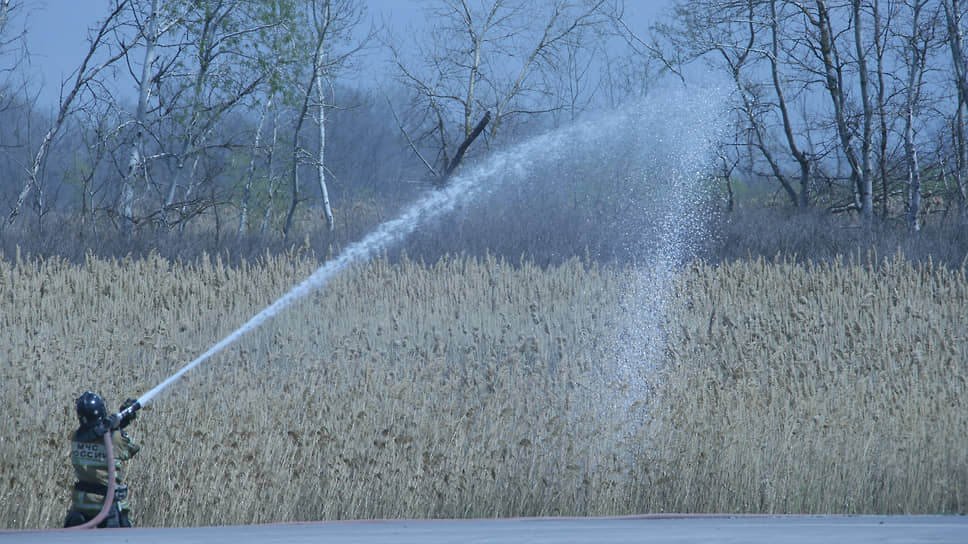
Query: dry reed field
{"x":474,"y":388}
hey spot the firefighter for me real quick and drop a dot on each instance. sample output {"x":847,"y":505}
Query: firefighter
{"x":89,"y":457}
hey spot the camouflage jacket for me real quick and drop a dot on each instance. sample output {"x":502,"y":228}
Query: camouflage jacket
{"x":90,"y":460}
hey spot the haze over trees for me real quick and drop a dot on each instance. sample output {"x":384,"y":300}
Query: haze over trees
{"x":239,"y":124}
{"x":849,"y":105}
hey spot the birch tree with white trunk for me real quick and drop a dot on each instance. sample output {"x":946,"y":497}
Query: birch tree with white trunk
{"x":915,"y":49}
{"x":99,"y":55}
{"x":954,"y":15}
{"x":152,"y":30}
{"x":213,"y":77}
{"x":330,"y":27}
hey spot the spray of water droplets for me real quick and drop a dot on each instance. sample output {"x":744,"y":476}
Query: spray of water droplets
{"x":664,"y":143}
{"x":683,"y":133}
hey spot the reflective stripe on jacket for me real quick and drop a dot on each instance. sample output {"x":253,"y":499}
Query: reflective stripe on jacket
{"x":90,"y":460}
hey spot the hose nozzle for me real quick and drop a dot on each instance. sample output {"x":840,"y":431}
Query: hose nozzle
{"x":126,"y":415}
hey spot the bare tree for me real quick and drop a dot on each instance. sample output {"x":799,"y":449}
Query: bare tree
{"x":12,"y":52}
{"x":865,"y":183}
{"x":579,"y":79}
{"x":747,"y":39}
{"x":152,"y":30}
{"x":846,"y":91}
{"x":88,"y":70}
{"x":271,"y":179}
{"x":832,"y":67}
{"x":489,"y":58}
{"x":882,"y":21}
{"x":331,"y":24}
{"x":5,"y":8}
{"x":250,"y":174}
{"x":16,"y":101}
{"x":212,"y":79}
{"x":802,"y":158}
{"x":954,"y":11}
{"x":915,"y":51}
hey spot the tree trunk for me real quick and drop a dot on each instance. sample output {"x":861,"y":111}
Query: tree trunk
{"x":915,"y":65}
{"x":955,"y":38}
{"x":84,"y":76}
{"x":459,"y":156}
{"x":135,"y":158}
{"x":294,"y":172}
{"x":321,"y":152}
{"x":803,"y":160}
{"x":321,"y":28}
{"x":867,"y":169}
{"x":833,"y":79}
{"x":914,"y":172}
{"x":881,"y":109}
{"x":270,"y":182}
{"x":250,"y":175}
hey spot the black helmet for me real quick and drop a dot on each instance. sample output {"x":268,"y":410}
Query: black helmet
{"x":90,"y":409}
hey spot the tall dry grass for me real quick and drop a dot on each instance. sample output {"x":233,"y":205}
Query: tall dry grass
{"x":826,"y":388}
{"x":474,"y":389}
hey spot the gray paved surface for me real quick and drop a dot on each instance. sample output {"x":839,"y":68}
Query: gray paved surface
{"x":659,"y":529}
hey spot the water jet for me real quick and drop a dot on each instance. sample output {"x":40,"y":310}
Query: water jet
{"x":666,"y":140}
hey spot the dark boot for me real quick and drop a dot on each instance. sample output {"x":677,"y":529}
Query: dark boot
{"x":123,"y":519}
{"x":74,"y":518}
{"x":113,"y":519}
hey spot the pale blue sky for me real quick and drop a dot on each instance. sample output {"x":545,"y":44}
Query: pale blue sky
{"x":57,"y":31}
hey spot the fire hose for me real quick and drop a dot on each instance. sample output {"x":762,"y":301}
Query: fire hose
{"x":109,"y":446}
{"x":109,"y":498}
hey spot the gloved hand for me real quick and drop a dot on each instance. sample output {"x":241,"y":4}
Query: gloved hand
{"x":128,"y":417}
{"x":107,"y":424}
